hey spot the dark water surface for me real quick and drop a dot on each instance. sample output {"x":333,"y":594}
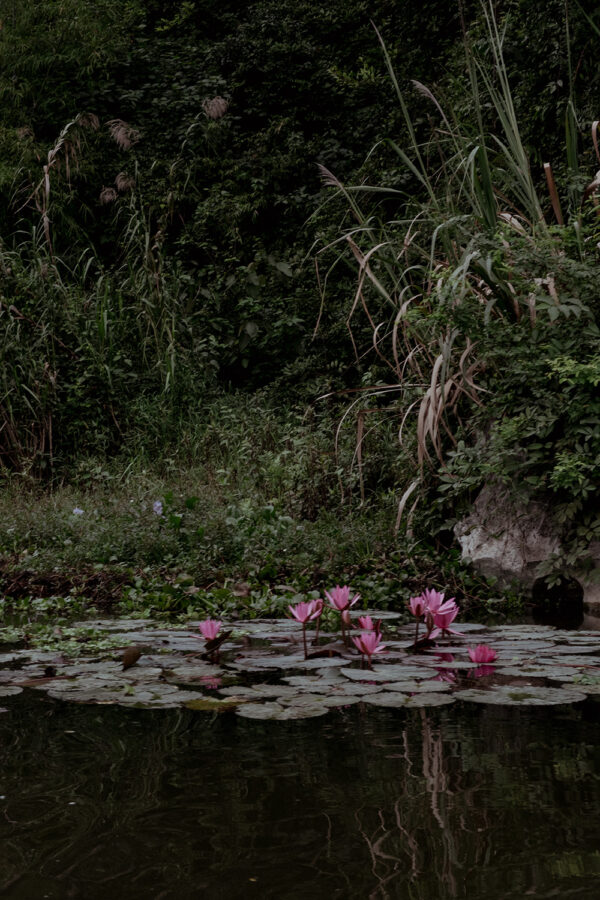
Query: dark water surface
{"x":463,"y":801}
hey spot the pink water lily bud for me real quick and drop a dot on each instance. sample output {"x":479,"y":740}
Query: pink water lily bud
{"x":346,"y":617}
{"x":481,"y":654}
{"x":339,"y":598}
{"x":307,"y":611}
{"x":210,"y":629}
{"x":367,"y":623}
{"x":417,"y":606}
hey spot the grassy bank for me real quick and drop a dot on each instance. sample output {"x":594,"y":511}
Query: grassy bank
{"x":251,"y":510}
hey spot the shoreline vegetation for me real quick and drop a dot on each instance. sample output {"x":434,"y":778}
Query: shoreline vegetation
{"x":280,"y":293}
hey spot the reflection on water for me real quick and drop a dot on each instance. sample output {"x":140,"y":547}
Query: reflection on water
{"x":101,"y":802}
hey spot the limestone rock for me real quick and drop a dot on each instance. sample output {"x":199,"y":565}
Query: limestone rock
{"x":505,"y":541}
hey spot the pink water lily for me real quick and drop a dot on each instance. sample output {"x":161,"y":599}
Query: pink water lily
{"x":210,"y":629}
{"x":369,"y":643}
{"x":367,"y":624}
{"x":339,"y":598}
{"x":443,"y":620}
{"x":482,"y":654}
{"x":432,"y":599}
{"x":437,"y":612}
{"x":417,"y":606}
{"x":306,"y":611}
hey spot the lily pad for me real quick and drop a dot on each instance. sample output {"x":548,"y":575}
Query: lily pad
{"x":456,"y":664}
{"x":273,"y":662}
{"x":524,"y":646}
{"x":590,"y":662}
{"x":192,"y":673}
{"x":387,"y":673}
{"x":212,"y":704}
{"x":467,"y":627}
{"x":418,"y":701}
{"x":591,"y":690}
{"x":534,"y":671}
{"x":277,"y":711}
{"x":513,"y":695}
{"x":342,"y":700}
{"x":9,"y":690}
{"x":325,"y":662}
{"x":571,"y":650}
{"x":391,"y":699}
{"x":418,"y":687}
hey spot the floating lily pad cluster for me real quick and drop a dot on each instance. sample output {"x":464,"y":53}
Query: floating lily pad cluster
{"x":262,"y":672}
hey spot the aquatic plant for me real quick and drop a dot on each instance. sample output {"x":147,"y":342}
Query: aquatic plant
{"x":433,"y":600}
{"x":340,"y":600}
{"x":209,"y":629}
{"x":304,"y":612}
{"x":482,"y":654}
{"x":442,"y":620}
{"x":437,"y":612}
{"x":368,"y":644}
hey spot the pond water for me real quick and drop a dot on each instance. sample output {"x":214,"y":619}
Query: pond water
{"x":469,"y":800}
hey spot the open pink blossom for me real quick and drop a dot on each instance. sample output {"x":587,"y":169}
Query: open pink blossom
{"x":369,"y":643}
{"x":447,"y":606}
{"x":307,"y":611}
{"x":210,"y":629}
{"x":443,"y":620}
{"x":432,"y":599}
{"x":339,"y":598}
{"x":482,"y":654}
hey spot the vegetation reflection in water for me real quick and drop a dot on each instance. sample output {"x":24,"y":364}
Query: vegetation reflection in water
{"x":103,"y":802}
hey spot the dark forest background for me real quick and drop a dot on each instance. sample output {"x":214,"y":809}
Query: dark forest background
{"x":190,"y":191}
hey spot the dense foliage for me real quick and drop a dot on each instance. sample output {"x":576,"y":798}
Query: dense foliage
{"x":170,"y":172}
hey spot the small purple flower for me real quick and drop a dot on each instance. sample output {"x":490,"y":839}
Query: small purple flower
{"x":77,"y":511}
{"x":157,"y":508}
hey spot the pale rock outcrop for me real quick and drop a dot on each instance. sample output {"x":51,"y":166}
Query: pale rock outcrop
{"x":508,"y":541}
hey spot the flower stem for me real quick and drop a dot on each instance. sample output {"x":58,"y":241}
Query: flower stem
{"x":316,"y":637}
{"x":304,"y":639}
{"x":417,"y":633}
